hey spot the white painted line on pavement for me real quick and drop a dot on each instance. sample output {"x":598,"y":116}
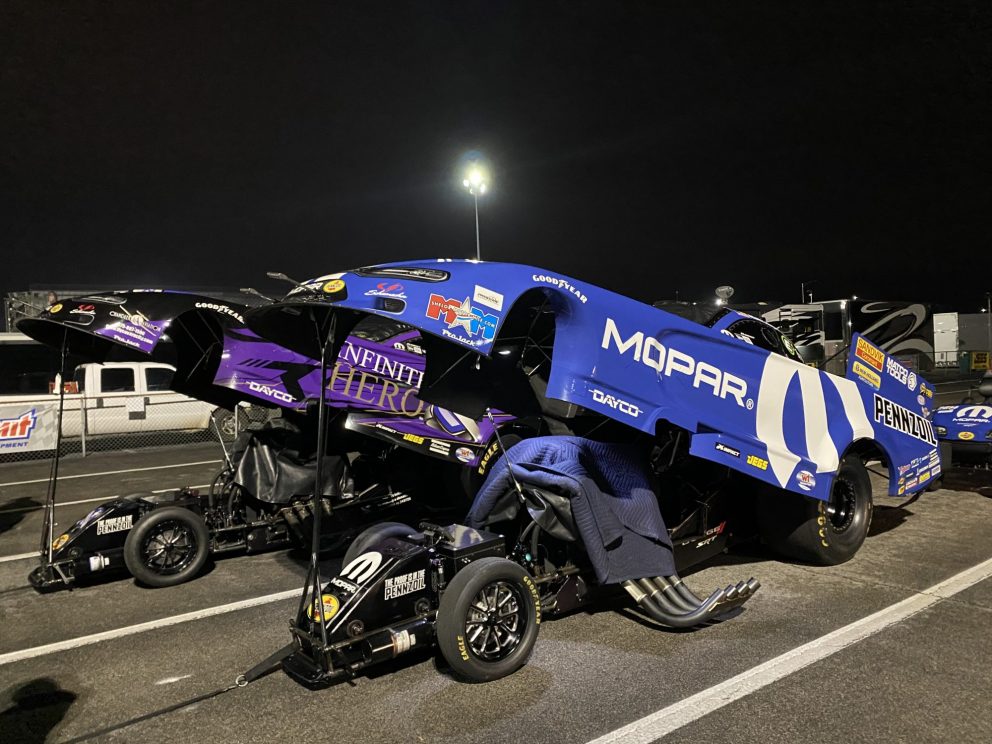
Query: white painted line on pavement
{"x":21,"y":557}
{"x":90,"y":501}
{"x":112,"y":472}
{"x":684,"y":712}
{"x":107,"y":635}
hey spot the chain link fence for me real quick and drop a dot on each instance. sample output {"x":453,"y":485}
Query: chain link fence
{"x":114,"y":422}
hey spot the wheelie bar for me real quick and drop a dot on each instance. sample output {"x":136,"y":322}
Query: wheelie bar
{"x":670,"y":602}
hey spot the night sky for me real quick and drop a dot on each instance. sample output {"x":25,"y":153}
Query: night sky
{"x":647,"y":147}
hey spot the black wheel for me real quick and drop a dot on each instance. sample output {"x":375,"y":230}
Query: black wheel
{"x":167,"y":547}
{"x":371,"y":535}
{"x":488,"y":620}
{"x":823,"y":532}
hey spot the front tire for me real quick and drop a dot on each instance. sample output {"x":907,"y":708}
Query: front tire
{"x":167,"y":547}
{"x":822,"y":532}
{"x":488,"y":620}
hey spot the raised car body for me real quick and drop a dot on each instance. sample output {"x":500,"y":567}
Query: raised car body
{"x":749,"y":408}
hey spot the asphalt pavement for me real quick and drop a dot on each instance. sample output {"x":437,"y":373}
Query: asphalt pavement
{"x":923,"y":678}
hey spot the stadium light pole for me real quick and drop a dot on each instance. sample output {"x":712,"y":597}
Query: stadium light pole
{"x":475,"y":182}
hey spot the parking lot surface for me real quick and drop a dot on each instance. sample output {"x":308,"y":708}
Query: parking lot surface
{"x":163,"y":666}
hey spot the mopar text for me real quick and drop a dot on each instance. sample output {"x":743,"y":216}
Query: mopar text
{"x":650,"y":352}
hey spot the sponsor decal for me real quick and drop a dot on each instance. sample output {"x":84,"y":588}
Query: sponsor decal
{"x":326,"y":607}
{"x":104,"y":299}
{"x":463,"y":315}
{"x":902,"y":419}
{"x":413,"y":438}
{"x":873,"y":356}
{"x":561,"y":284}
{"x":921,"y":400}
{"x":345,"y":585}
{"x":409,"y":346}
{"x":404,"y":272}
{"x":397,"y":586}
{"x":867,"y":375}
{"x":924,"y":477}
{"x":334,"y":285}
{"x":912,"y":483}
{"x":903,"y":469}
{"x":137,"y":319}
{"x":935,"y":471}
{"x":487,"y":457}
{"x":438,"y":447}
{"x":711,"y":534}
{"x":387,"y":289}
{"x":223,"y":309}
{"x":361,"y":569}
{"x":488,"y":297}
{"x":617,"y":404}
{"x":650,"y":352}
{"x":55,"y":309}
{"x":925,"y":391}
{"x":114,"y":524}
{"x":373,"y":361}
{"x":911,"y":381}
{"x":60,"y":541}
{"x":757,"y":462}
{"x":19,"y":427}
{"x":806,"y":480}
{"x":464,"y":454}
{"x":966,"y":435}
{"x":270,"y":392}
{"x":976,"y":413}
{"x":721,"y":447}
{"x":898,"y":372}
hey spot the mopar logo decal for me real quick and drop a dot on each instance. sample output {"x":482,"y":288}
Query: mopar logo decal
{"x":360,"y":569}
{"x":977,"y":412}
{"x":650,"y":352}
{"x":902,"y":419}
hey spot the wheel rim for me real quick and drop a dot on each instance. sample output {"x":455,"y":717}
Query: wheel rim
{"x":227,"y":425}
{"x":496,"y":621}
{"x":170,"y":547}
{"x":842,"y":505}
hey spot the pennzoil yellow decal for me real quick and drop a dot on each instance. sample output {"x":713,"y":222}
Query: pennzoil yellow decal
{"x":330,"y":605}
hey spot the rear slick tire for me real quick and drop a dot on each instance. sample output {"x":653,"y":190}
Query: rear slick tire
{"x":822,"y":532}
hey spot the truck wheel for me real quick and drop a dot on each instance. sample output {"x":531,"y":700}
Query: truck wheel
{"x":371,"y":535}
{"x":227,"y":423}
{"x":488,"y":619}
{"x":822,"y":532}
{"x":167,"y":547}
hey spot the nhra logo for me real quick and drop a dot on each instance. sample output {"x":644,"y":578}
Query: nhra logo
{"x":650,"y":352}
{"x":455,"y":313}
{"x":19,"y":427}
{"x":902,"y":419}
